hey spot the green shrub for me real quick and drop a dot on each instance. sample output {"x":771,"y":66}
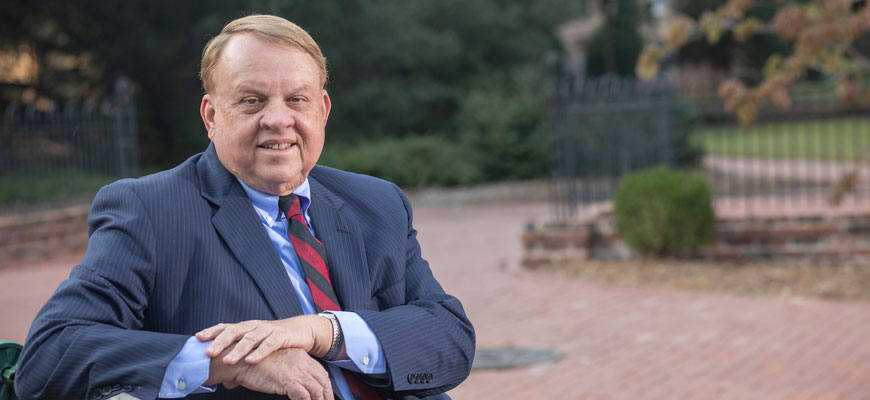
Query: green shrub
{"x":659,"y":211}
{"x":417,"y":161}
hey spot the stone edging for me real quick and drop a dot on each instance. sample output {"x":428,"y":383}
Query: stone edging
{"x":807,"y":238}
{"x":43,"y":234}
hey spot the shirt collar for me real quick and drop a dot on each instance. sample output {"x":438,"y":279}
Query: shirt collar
{"x":267,"y":204}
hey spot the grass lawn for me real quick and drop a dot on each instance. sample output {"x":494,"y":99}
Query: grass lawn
{"x":27,"y":188}
{"x":833,"y":139}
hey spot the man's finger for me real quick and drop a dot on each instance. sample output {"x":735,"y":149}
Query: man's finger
{"x":314,"y":386}
{"x":317,"y":381}
{"x":227,"y":337}
{"x":322,"y":378}
{"x":247,"y":342}
{"x":316,"y":390}
{"x":267,"y":346}
{"x":210,"y":332}
{"x":295,"y":390}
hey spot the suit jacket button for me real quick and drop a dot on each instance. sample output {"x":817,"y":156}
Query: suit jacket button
{"x":107,"y":391}
{"x":410,"y":378}
{"x":429,"y":377}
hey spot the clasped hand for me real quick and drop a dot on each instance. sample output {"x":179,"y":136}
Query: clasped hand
{"x":277,"y":354}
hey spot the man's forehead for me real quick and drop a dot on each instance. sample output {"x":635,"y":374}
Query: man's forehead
{"x":242,"y":54}
{"x":248,"y":49}
{"x":259,"y":85}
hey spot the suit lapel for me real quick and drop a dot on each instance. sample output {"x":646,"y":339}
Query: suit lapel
{"x":239,"y":226}
{"x":345,"y":253}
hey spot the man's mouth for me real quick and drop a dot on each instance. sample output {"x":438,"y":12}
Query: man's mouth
{"x":276,"y":146}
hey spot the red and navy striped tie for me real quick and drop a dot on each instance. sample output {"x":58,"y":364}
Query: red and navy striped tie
{"x":312,"y":258}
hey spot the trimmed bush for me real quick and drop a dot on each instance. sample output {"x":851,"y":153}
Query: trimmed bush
{"x":662,"y":212}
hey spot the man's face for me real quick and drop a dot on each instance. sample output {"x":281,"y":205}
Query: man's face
{"x":267,"y":114}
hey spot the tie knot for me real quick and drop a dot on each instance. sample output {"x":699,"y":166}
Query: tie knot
{"x":290,"y":205}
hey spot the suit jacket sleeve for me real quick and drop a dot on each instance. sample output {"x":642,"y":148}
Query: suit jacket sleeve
{"x":87,"y":340}
{"x":427,"y":339}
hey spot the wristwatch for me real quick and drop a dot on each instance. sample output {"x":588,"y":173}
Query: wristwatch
{"x":337,"y":337}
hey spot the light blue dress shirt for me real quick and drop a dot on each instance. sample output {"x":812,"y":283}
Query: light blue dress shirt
{"x":189,"y":369}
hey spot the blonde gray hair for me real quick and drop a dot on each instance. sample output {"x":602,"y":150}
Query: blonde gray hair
{"x":268,"y":27}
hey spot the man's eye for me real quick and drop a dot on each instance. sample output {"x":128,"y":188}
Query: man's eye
{"x":251,"y":101}
{"x":297,"y":99}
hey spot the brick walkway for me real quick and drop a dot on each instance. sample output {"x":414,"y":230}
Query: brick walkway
{"x":636,"y":343}
{"x":618,"y":342}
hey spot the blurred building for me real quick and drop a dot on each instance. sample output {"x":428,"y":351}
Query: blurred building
{"x":576,"y":34}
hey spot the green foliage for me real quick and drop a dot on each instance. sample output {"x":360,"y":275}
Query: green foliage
{"x":31,"y":187}
{"x":416,"y":161}
{"x":502,"y":122}
{"x":663,"y":212}
{"x":499,"y":136}
{"x":397,"y":68}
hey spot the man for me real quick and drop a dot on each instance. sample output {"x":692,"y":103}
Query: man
{"x":241,"y":245}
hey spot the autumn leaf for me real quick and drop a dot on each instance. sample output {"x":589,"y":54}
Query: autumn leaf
{"x":780,"y":99}
{"x":832,"y":63}
{"x":737,"y":8}
{"x":732,"y":91}
{"x":747,"y":28}
{"x":773,"y":64}
{"x":747,"y":114}
{"x":846,"y":92}
{"x":810,"y":44}
{"x":859,"y":23}
{"x":789,"y":21}
{"x":648,"y":62}
{"x":714,"y":25}
{"x":846,"y":185}
{"x":837,"y":7}
{"x":679,"y":31}
{"x":823,"y":33}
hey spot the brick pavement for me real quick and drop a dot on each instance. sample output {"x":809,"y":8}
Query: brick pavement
{"x":632,"y":342}
{"x":618,"y":342}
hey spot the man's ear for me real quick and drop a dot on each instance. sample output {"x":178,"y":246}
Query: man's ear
{"x":327,"y":105}
{"x":207,"y":111}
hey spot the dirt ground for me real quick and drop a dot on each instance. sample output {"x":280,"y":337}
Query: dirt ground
{"x":838,"y":281}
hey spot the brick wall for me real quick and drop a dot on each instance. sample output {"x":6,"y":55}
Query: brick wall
{"x":43,"y":234}
{"x":812,"y":238}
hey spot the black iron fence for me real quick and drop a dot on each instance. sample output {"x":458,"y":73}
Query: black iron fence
{"x":66,"y":146}
{"x":816,"y":151}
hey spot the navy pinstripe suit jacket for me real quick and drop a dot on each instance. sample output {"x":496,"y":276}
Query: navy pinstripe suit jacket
{"x":175,"y":252}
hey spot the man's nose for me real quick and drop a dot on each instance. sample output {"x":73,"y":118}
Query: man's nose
{"x":277,"y":116}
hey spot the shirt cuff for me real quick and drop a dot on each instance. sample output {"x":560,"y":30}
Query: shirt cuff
{"x":187,"y":371}
{"x":362,"y":346}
